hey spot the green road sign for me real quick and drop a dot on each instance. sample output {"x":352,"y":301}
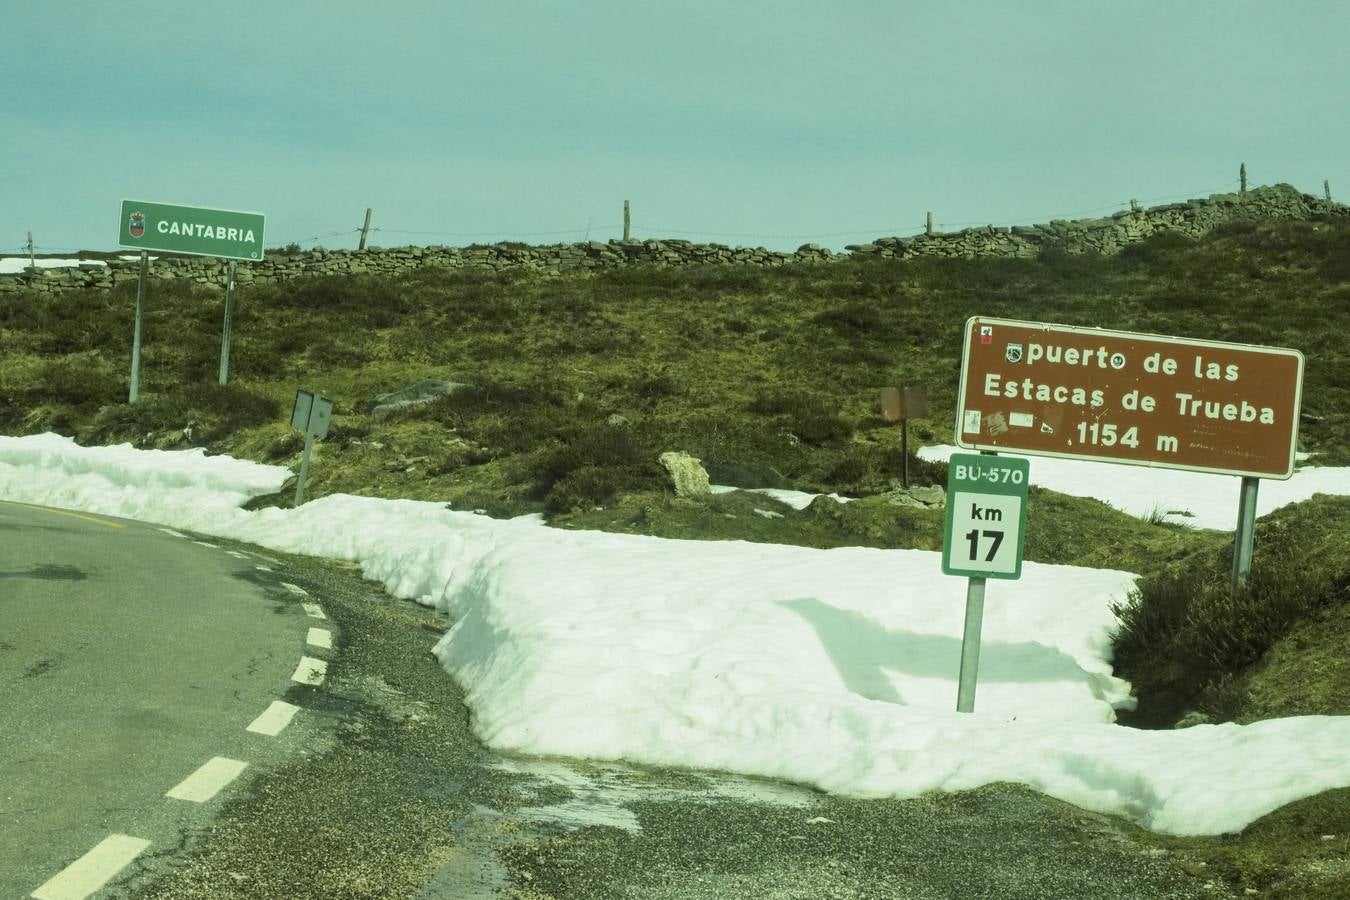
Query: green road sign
{"x":194,"y":230}
{"x":986,"y":515}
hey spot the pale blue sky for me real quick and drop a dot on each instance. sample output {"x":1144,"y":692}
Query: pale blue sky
{"x":750,"y":123}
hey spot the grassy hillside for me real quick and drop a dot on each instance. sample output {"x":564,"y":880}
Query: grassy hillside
{"x":578,"y":383}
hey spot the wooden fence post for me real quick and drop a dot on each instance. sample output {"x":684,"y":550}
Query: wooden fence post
{"x":625,"y":220}
{"x":365,"y":229}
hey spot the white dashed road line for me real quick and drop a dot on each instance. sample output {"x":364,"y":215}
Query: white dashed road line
{"x":93,"y":870}
{"x":320,"y":637}
{"x":313,"y":610}
{"x":237,"y":555}
{"x":172,"y":532}
{"x":310,"y":671}
{"x":295,"y":589}
{"x":207,"y":544}
{"x":263,"y":568}
{"x":207,"y":781}
{"x":274,"y":718}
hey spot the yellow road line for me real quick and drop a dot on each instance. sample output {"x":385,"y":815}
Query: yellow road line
{"x":66,"y":512}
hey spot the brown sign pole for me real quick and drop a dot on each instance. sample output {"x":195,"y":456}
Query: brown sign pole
{"x":904,"y":403}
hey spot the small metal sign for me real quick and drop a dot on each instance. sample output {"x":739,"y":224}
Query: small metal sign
{"x":304,"y":402}
{"x":908,"y":401}
{"x":986,"y":515}
{"x":311,"y":414}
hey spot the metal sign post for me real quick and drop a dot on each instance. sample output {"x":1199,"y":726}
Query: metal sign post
{"x":304,"y":470}
{"x":970,"y":644}
{"x":195,"y":231}
{"x":985,"y":528}
{"x":904,"y":403}
{"x":225,"y":330}
{"x":135,"y":391}
{"x":1245,"y":534}
{"x":312,"y":415}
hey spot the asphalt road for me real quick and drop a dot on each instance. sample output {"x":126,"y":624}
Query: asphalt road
{"x":130,"y":657}
{"x":406,"y":803}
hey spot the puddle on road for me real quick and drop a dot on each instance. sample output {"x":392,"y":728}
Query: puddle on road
{"x":593,"y":794}
{"x":601,"y":792}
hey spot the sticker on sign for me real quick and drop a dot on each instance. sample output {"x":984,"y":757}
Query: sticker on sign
{"x":1139,"y":399}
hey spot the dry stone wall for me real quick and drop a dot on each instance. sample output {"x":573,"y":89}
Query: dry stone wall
{"x":1192,"y":219}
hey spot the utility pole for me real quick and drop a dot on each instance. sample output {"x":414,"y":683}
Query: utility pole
{"x":365,"y":229}
{"x":928,"y":229}
{"x":625,"y":220}
{"x":1242,"y":178}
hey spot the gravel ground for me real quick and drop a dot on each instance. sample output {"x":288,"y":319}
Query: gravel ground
{"x":395,"y":798}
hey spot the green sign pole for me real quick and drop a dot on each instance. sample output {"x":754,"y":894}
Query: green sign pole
{"x":135,"y":391}
{"x":985,"y":526}
{"x":225,"y":330}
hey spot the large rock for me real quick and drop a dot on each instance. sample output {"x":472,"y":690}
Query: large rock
{"x":419,"y":394}
{"x":687,"y":473}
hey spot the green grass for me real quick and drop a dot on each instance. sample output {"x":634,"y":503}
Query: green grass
{"x":771,"y":377}
{"x":1188,"y":641}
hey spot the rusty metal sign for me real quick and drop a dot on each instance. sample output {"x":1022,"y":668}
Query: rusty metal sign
{"x":906,"y":402}
{"x":1119,"y":396}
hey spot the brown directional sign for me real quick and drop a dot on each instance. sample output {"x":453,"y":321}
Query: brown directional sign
{"x":1118,"y":396}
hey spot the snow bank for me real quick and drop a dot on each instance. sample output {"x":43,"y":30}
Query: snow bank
{"x":11,"y":264}
{"x":828,"y":667}
{"x":124,"y":481}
